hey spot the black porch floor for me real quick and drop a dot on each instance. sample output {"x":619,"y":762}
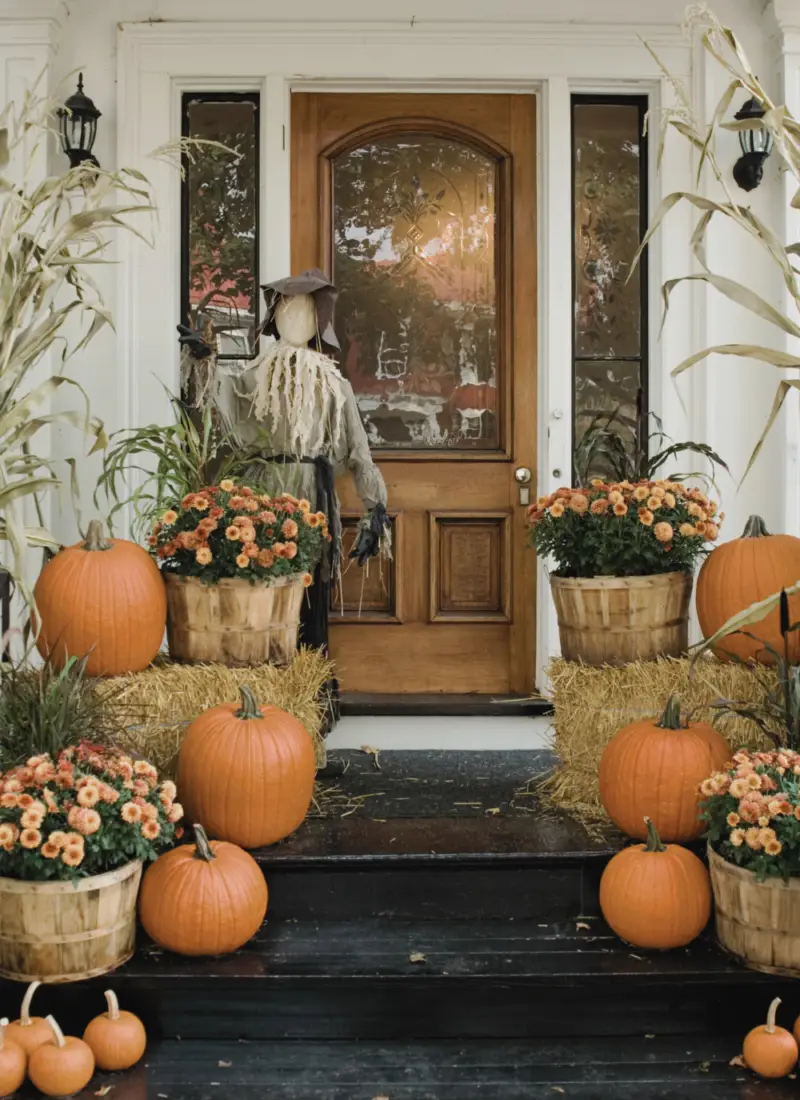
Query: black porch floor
{"x":442,"y":941}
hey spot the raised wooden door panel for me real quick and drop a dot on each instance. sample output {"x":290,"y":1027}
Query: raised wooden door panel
{"x":421,"y":208}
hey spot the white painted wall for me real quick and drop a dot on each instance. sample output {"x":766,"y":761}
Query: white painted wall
{"x":591,"y":45}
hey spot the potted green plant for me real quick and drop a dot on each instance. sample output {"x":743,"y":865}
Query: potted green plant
{"x":236,"y":563}
{"x":752,"y":808}
{"x":625,"y":553}
{"x":78,"y":818}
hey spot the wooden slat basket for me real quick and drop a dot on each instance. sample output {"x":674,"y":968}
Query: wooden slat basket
{"x":233,"y":622}
{"x":759,"y":922}
{"x":615,"y":620}
{"x":60,"y":932}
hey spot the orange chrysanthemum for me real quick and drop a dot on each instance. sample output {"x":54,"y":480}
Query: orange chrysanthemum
{"x":50,"y":850}
{"x":289,"y":528}
{"x":620,"y":508}
{"x":663,"y":532}
{"x":307,"y":580}
{"x":653,"y":503}
{"x":232,"y":533}
{"x":30,"y":838}
{"x":72,"y":856}
{"x":557,"y":509}
{"x":599,"y":506}
{"x":131,"y":813}
{"x":640,"y":493}
{"x":242,"y":561}
{"x":251,"y":550}
{"x":169,"y":517}
{"x":88,"y":797}
{"x":150,"y":830}
{"x":227,"y":485}
{"x":646,"y":517}
{"x":203,"y":556}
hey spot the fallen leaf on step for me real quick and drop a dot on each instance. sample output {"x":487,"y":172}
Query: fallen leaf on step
{"x":639,"y":957}
{"x":704,"y":1067}
{"x":738,"y":1061}
{"x":556,"y":1088}
{"x":374,"y":753}
{"x":582,"y":924}
{"x":104,"y":1091}
{"x":416,"y":957}
{"x":224,"y":1065}
{"x":649,"y":1036}
{"x":494,"y":811}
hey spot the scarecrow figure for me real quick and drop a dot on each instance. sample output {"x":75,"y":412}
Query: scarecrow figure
{"x":295,"y":394}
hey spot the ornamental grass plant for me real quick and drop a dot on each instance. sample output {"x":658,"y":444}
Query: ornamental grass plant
{"x":231,"y":531}
{"x":624,"y":529}
{"x":87,"y":811}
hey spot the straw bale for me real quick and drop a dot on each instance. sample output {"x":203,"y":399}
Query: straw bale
{"x":167,"y":696}
{"x":591,"y":704}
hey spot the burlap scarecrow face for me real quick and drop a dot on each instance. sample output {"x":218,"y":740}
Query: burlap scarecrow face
{"x":290,"y":320}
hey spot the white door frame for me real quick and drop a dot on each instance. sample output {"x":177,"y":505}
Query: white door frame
{"x":158,"y":61}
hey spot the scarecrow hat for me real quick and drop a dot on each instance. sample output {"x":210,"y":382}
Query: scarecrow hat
{"x":320,"y":288}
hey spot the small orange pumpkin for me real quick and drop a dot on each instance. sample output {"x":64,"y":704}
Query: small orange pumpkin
{"x":770,"y":1051}
{"x":28,"y":1031}
{"x":656,"y":895}
{"x":117,"y":1039}
{"x":267,"y":760}
{"x":105,"y":598}
{"x":13,"y":1062}
{"x":63,"y":1066}
{"x":741,"y":572}
{"x":203,"y":899}
{"x":653,"y":769}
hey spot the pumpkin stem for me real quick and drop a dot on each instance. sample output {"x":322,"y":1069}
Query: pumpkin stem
{"x":654,"y":842}
{"x":113,"y":1004}
{"x":3,"y":1026}
{"x":772,"y":1012}
{"x":249,"y":707}
{"x":58,"y":1034}
{"x":755,"y":528}
{"x":25,"y":1011}
{"x":95,"y":539}
{"x":202,"y":849}
{"x":671,"y":718}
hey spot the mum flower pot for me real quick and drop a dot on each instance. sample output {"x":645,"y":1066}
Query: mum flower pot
{"x":65,"y":932}
{"x":233,"y":622}
{"x":758,"y":922}
{"x":616,"y":620}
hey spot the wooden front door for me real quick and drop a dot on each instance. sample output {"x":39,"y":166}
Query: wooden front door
{"x":421,"y":208}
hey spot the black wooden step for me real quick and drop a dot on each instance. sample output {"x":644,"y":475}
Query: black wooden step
{"x":679,"y":1067}
{"x":544,"y":866}
{"x":389,"y":979}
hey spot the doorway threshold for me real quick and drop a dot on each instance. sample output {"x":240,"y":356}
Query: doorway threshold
{"x":428,"y":733}
{"x":362,"y":704}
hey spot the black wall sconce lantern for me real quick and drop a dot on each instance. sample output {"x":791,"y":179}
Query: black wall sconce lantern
{"x":77,"y":123}
{"x":756,"y":146}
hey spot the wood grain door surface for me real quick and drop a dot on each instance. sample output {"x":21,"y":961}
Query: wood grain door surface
{"x":422,"y":209}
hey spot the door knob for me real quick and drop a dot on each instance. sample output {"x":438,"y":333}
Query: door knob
{"x":522,"y":476}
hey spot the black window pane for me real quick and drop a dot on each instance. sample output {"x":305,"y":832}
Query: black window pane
{"x":609,"y":215}
{"x":220,"y":220}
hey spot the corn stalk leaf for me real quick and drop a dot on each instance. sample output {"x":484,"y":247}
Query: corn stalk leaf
{"x":745,"y":351}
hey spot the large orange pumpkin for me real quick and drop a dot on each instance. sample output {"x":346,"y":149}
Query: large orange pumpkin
{"x":246,"y":773}
{"x":105,"y":598}
{"x":653,"y":769}
{"x":656,"y":895}
{"x":742,"y":572}
{"x":203,"y":899}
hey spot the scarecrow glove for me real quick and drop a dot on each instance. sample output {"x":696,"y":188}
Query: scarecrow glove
{"x":192,"y":340}
{"x":373,"y":531}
